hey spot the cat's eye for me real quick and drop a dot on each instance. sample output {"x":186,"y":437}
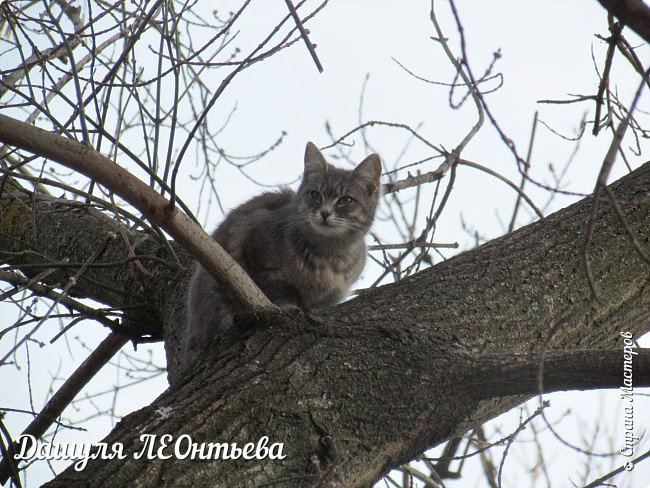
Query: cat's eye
{"x":343,"y":201}
{"x":314,"y":195}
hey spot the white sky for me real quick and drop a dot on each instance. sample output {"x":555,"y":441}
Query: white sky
{"x":546,"y":49}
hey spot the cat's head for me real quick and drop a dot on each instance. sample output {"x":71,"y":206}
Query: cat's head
{"x":338,"y":202}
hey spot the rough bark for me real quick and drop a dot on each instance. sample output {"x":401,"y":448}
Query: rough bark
{"x":398,"y":369}
{"x":39,"y":233}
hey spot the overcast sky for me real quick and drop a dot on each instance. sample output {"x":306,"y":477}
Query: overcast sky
{"x":547,"y":51}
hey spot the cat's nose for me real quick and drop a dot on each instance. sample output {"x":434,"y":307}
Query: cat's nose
{"x":325,"y":214}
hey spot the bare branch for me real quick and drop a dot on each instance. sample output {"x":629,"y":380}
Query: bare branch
{"x":633,"y":13}
{"x":600,"y":481}
{"x":412,"y":181}
{"x":305,"y":35}
{"x":106,"y":172}
{"x":563,"y":370}
{"x":516,"y":188}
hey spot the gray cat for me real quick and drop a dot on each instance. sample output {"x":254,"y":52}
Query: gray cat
{"x":303,"y":249}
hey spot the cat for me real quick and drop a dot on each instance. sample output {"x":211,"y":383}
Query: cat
{"x":303,"y":249}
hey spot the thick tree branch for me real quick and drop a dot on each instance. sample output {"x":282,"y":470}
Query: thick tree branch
{"x":50,"y":239}
{"x":101,"y":169}
{"x":517,"y":374}
{"x":405,"y":355}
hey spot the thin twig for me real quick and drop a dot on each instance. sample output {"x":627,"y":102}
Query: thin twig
{"x":524,"y":176}
{"x":304,"y":35}
{"x":412,"y":244}
{"x":520,"y":192}
{"x":620,"y":469}
{"x":615,"y":28}
{"x":66,"y":289}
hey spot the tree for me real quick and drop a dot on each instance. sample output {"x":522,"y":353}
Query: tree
{"x":351,"y":394}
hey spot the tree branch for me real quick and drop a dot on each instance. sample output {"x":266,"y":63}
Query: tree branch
{"x":101,"y":169}
{"x":633,"y":13}
{"x":305,"y":36}
{"x":517,"y":374}
{"x":399,"y":353}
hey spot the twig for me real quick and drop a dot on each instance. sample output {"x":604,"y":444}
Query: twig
{"x":304,"y":35}
{"x":462,"y":68}
{"x":615,"y":28}
{"x":125,"y":239}
{"x":215,"y":96}
{"x":486,"y":460}
{"x":66,"y":289}
{"x":13,"y":77}
{"x":630,"y":54}
{"x":578,"y":98}
{"x":411,"y":180}
{"x":412,"y":244}
{"x":620,"y":469}
{"x":511,"y":438}
{"x":524,"y":176}
{"x":73,"y":12}
{"x":464,"y":162}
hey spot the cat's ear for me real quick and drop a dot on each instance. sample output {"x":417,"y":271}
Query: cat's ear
{"x":369,"y":170}
{"x":314,"y":160}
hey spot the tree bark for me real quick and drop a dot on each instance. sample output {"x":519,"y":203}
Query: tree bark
{"x":378,"y":379}
{"x":40,"y":233}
